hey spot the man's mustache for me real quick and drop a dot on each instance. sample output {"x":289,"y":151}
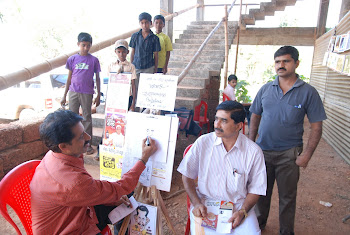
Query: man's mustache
{"x":282,"y":69}
{"x":218,"y":129}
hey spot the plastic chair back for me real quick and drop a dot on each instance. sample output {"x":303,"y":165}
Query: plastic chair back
{"x":15,"y":192}
{"x":187,"y":232}
{"x":202,"y":120}
{"x":225,"y":97}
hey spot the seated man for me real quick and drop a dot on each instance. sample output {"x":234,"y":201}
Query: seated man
{"x":229,"y":167}
{"x":65,"y":198}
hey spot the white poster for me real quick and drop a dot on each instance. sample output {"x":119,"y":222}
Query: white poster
{"x":139,"y":126}
{"x":157,"y":91}
{"x":118,"y":93}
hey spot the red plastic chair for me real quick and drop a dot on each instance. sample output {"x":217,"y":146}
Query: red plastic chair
{"x":202,"y":120}
{"x":187,"y":232}
{"x":225,"y":97}
{"x":15,"y":192}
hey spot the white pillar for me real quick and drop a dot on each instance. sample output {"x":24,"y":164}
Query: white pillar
{"x":166,"y":8}
{"x":200,"y":11}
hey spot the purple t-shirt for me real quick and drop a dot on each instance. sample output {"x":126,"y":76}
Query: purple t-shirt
{"x":83,"y":69}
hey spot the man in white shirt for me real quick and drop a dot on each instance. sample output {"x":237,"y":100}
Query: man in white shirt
{"x":229,"y":167}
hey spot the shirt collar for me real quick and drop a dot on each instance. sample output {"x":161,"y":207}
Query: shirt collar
{"x":76,"y":161}
{"x":237,"y":145}
{"x":297,"y":83}
{"x":150,"y":33}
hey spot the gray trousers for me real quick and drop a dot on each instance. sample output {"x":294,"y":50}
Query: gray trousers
{"x":85,"y":101}
{"x":280,"y":166}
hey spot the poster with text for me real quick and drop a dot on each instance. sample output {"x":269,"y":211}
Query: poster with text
{"x":157,"y":91}
{"x":111,"y":160}
{"x":143,"y":220}
{"x":118,"y":93}
{"x":114,"y":132}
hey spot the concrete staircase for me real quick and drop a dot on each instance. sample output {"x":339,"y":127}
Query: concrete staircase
{"x":265,"y":9}
{"x":195,"y":85}
{"x":192,"y":87}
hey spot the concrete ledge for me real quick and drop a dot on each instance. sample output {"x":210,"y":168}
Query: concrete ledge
{"x":278,"y":36}
{"x":10,"y":135}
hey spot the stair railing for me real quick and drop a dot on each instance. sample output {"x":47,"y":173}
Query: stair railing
{"x":24,"y":74}
{"x":199,"y":51}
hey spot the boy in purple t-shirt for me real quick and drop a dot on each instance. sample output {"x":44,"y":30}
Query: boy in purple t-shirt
{"x":80,"y":82}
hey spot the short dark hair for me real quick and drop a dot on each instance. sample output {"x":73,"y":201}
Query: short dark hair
{"x":145,"y":16}
{"x":232,"y":77}
{"x":142,"y":208}
{"x":237,"y":110}
{"x":84,"y":37}
{"x":57,"y":128}
{"x":159,"y":17}
{"x":287,"y":50}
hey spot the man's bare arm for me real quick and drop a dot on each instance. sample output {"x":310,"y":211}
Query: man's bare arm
{"x":199,"y":209}
{"x":314,"y":139}
{"x":249,"y":202}
{"x":254,"y":126}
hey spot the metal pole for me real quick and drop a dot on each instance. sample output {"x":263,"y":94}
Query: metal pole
{"x":226,"y":47}
{"x":239,"y":28}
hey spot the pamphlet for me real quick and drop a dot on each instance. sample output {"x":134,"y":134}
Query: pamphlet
{"x":219,"y":212}
{"x":122,"y":210}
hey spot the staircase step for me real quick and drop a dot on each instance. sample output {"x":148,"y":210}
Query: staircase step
{"x":205,"y":59}
{"x":98,"y":120}
{"x":191,"y":52}
{"x":191,"y":73}
{"x":194,"y":81}
{"x":195,"y":47}
{"x":189,"y":91}
{"x":101,"y":108}
{"x":97,"y":133}
{"x":197,"y":65}
{"x":187,"y":102}
{"x":211,"y":42}
{"x":231,"y":34}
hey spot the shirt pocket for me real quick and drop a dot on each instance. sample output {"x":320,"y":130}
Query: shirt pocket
{"x":236,"y":184}
{"x":293,"y":113}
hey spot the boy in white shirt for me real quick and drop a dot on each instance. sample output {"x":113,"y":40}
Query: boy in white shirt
{"x":230,"y":88}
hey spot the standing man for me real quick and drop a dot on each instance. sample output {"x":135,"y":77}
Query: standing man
{"x":229,"y":167}
{"x":278,"y":112}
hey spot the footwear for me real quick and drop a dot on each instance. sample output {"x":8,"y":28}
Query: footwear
{"x":97,"y":157}
{"x":90,"y":150}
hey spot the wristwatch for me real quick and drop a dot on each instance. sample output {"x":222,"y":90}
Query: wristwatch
{"x":244,"y":212}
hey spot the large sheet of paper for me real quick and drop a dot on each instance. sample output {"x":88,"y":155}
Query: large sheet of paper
{"x":162,"y":172}
{"x":139,"y":126}
{"x":156,"y":173}
{"x":157,"y":91}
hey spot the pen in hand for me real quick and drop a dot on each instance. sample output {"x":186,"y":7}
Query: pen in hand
{"x":147,"y":141}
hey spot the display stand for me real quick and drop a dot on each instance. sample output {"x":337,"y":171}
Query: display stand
{"x":148,"y":195}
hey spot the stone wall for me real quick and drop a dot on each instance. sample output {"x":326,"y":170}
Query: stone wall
{"x":19,"y":142}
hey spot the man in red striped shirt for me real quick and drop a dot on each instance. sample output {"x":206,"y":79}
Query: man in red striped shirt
{"x":65,"y":198}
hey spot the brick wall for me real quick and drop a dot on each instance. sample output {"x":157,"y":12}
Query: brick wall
{"x":19,"y":142}
{"x":211,"y":96}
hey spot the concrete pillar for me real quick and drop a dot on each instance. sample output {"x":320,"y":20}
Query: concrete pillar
{"x":345,"y":8}
{"x":200,"y":11}
{"x":322,"y":18}
{"x":166,"y":8}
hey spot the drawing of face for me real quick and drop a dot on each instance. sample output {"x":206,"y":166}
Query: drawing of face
{"x":141,"y":217}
